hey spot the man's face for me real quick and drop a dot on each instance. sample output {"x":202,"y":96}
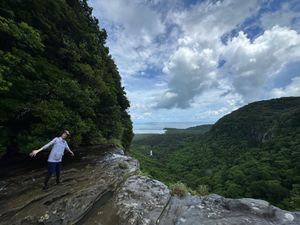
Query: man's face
{"x":64,"y":135}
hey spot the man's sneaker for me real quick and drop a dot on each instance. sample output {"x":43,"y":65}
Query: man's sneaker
{"x":45,"y":188}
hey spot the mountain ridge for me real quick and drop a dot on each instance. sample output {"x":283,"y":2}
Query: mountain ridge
{"x":251,"y":152}
{"x":270,"y":111}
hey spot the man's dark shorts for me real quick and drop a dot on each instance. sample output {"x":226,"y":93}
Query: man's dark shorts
{"x":54,"y":167}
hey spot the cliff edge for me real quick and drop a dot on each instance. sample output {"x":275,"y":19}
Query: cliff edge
{"x":107,"y":189}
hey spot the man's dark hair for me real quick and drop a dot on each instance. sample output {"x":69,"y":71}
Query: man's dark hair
{"x":67,"y":132}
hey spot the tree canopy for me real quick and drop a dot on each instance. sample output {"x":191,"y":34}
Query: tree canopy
{"x":56,"y":73}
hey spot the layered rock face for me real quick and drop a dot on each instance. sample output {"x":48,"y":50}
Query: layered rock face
{"x":106,"y":189}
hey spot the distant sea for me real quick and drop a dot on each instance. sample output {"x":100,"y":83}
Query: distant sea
{"x":158,"y":127}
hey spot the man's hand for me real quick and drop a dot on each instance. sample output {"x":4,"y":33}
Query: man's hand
{"x":72,"y":153}
{"x":34,"y":152}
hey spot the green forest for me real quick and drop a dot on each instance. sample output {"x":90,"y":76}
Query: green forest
{"x":252,"y":152}
{"x":56,"y":73}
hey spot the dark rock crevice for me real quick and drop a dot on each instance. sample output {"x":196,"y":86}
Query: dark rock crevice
{"x":163,"y":211}
{"x":103,"y":199}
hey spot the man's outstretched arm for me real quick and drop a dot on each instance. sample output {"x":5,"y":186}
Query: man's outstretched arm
{"x":34,"y":152}
{"x":69,"y":150}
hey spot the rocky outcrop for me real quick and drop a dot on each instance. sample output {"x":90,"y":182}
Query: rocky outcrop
{"x":106,"y":189}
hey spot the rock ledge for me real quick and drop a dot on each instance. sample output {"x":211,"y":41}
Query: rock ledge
{"x":106,"y":189}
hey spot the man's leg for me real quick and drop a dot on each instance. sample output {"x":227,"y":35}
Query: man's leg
{"x":51,"y":168}
{"x":57,"y":171}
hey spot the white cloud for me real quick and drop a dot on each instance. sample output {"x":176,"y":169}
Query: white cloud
{"x":293,"y":89}
{"x":193,"y":66}
{"x":142,"y":102}
{"x":283,"y":17}
{"x":134,"y":27}
{"x":183,"y":46}
{"x":251,"y":65}
{"x":208,"y":20}
{"x":133,"y":16}
{"x":191,"y":72}
{"x":248,"y":65}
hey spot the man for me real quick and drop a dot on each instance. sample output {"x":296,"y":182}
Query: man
{"x":55,"y":157}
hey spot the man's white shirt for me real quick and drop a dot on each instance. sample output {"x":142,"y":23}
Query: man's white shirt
{"x":57,"y":152}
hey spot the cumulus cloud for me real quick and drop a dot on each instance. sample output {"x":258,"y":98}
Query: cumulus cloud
{"x":193,"y":66}
{"x":208,"y":20}
{"x":284,"y":17}
{"x":251,"y":65}
{"x":192,"y":72}
{"x":174,"y":60}
{"x":293,"y":89}
{"x":248,"y":64}
{"x":133,"y":16}
{"x":133,"y":27}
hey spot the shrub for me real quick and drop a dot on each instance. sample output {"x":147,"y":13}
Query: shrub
{"x":123,"y":165}
{"x":202,"y":189}
{"x":179,"y":189}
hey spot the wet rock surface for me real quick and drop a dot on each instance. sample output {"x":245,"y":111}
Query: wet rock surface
{"x":105,"y":189}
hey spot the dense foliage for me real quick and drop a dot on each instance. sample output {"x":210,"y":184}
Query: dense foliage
{"x":56,"y":73}
{"x":251,"y":152}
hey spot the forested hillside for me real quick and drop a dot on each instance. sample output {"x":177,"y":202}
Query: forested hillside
{"x":251,"y":152}
{"x":56,"y":73}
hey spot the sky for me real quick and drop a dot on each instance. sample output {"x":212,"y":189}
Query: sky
{"x":196,"y":61}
